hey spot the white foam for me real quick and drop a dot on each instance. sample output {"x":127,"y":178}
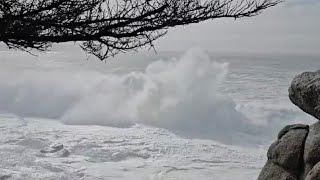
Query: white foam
{"x":180,"y":94}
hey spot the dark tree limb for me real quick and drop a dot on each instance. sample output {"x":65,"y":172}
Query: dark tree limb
{"x":109,"y":27}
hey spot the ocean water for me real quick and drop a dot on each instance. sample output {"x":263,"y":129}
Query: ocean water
{"x":171,"y":115}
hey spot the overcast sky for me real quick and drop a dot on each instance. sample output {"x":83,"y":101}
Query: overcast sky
{"x":292,"y":27}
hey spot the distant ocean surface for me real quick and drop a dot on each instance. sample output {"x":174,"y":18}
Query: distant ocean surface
{"x":187,"y":114}
{"x":259,"y":85}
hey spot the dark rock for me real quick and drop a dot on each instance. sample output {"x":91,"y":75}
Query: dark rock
{"x":296,"y":153}
{"x":52,"y":149}
{"x":64,"y":153}
{"x":305,"y":92}
{"x":285,"y":156}
{"x":5,"y":177}
{"x":290,"y":127}
{"x":312,"y":147}
{"x":272,"y":171}
{"x":271,"y":149}
{"x":314,"y":174}
{"x":287,"y":152}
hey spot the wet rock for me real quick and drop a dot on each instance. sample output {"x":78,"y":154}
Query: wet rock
{"x":64,"y":153}
{"x":305,"y":92}
{"x":52,"y":149}
{"x":5,"y":177}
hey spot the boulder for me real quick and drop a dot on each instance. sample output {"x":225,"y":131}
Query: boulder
{"x":288,"y":150}
{"x":63,"y":153}
{"x":312,"y":147}
{"x":314,"y":174}
{"x":285,"y":156}
{"x":272,"y":171}
{"x":296,"y":153}
{"x":304,"y":92}
{"x":55,"y":150}
{"x":290,"y":127}
{"x":52,"y":149}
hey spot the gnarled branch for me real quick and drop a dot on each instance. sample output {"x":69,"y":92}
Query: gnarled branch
{"x":108,"y":27}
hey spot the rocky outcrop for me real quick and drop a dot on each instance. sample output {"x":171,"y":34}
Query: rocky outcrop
{"x":312,"y":147}
{"x":52,"y":148}
{"x":285,"y":156}
{"x":314,"y":174}
{"x":56,"y":150}
{"x":305,"y":92}
{"x":273,"y":171}
{"x":296,"y":153}
{"x":288,"y":150}
{"x":291,"y":127}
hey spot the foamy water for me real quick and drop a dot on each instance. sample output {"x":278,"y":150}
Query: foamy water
{"x":169,"y":100}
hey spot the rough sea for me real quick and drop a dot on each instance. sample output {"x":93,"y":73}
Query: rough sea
{"x":144,"y":116}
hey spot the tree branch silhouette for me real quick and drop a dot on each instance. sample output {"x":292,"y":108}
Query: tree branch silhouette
{"x":108,"y":27}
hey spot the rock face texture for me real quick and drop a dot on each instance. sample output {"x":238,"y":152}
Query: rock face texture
{"x":312,"y":147}
{"x":304,"y":92}
{"x":314,"y":174}
{"x":296,"y":153}
{"x":273,"y":171}
{"x":288,"y":150}
{"x":285,"y":156}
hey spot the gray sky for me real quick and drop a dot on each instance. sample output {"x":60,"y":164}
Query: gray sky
{"x":292,"y":27}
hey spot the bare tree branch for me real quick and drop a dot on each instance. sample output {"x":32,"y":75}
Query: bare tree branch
{"x":109,"y":27}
